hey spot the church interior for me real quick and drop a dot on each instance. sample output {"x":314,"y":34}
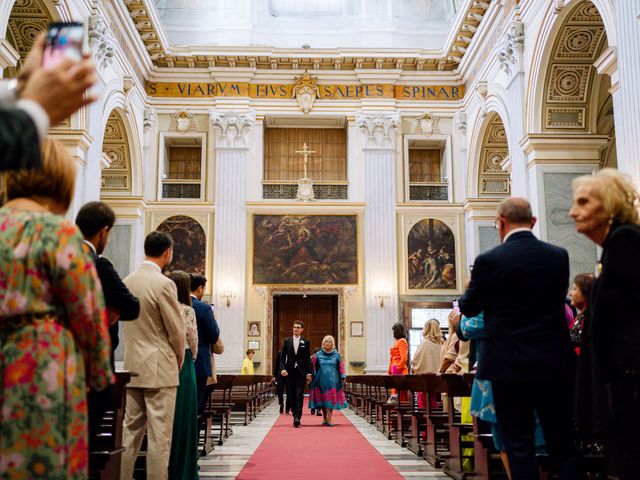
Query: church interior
{"x":340,"y":163}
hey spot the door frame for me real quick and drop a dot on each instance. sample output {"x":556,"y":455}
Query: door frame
{"x":341,"y":292}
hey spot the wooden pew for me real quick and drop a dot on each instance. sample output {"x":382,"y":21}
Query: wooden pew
{"x":217,"y":412}
{"x":104,"y":459}
{"x":418,"y":430}
{"x":456,"y":387}
{"x":436,"y":448}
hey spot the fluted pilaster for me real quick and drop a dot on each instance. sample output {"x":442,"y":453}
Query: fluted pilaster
{"x":380,"y":267}
{"x":229,"y":240}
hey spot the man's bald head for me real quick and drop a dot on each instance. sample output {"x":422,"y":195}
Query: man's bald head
{"x":516,"y":211}
{"x":513,"y":213}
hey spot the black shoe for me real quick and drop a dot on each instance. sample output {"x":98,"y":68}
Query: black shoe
{"x":318,"y":413}
{"x":281,"y":409}
{"x":313,"y":411}
{"x":296,"y":423}
{"x":288,"y":412}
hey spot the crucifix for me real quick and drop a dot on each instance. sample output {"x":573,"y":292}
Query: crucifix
{"x":306,"y":152}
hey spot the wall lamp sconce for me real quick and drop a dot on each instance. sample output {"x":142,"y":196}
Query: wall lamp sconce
{"x":227,"y":295}
{"x":382,"y":296}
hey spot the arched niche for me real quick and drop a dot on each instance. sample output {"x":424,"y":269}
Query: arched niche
{"x":570,"y":98}
{"x":116,"y":154}
{"x":493,"y":177}
{"x":190,"y":243}
{"x":431,"y":256}
{"x":27,"y":19}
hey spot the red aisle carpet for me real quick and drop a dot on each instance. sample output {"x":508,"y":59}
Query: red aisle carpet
{"x":315,"y":451}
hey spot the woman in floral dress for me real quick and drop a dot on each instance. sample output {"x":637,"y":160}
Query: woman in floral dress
{"x":54,"y":338}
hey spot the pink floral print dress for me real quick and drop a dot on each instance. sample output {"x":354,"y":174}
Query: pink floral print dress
{"x":46,"y":365}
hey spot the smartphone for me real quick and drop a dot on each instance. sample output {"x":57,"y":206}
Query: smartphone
{"x":456,"y":307}
{"x":64,"y":40}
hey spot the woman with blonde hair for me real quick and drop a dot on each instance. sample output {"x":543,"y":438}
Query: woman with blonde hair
{"x":605,"y":210}
{"x":54,"y":334}
{"x":326,"y":389}
{"x":427,"y":356}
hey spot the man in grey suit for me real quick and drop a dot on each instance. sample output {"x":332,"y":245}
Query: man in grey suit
{"x":154,"y":350}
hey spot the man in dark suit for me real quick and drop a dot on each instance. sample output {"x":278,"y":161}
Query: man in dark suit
{"x":95,"y":220}
{"x":520,"y":286}
{"x":208,"y":334}
{"x":295,"y":365}
{"x":281,"y":383}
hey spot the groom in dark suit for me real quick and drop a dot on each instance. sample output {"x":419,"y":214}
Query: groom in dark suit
{"x":526,"y":353}
{"x":295,"y":366}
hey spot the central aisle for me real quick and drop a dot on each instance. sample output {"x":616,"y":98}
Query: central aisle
{"x":314,"y":451}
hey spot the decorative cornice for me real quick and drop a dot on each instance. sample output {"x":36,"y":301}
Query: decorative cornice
{"x":234,"y":128}
{"x":379,"y":128}
{"x":607,"y":64}
{"x":145,"y":18}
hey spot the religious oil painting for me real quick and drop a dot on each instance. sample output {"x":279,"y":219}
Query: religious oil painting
{"x":305,"y":250}
{"x":431,"y":256}
{"x":190,"y":243}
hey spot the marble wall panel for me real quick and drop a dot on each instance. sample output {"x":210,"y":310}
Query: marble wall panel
{"x":488,"y":237}
{"x":559,"y":226}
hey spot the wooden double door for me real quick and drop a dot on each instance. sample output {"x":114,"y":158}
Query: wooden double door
{"x":319,"y":313}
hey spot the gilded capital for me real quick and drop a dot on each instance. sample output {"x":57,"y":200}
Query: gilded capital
{"x":234,"y":128}
{"x":378,"y":128}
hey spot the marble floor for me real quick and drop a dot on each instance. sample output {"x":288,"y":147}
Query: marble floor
{"x":226,"y":461}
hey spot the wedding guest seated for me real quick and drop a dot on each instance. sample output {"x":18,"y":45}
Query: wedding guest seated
{"x":54,"y":337}
{"x":427,"y":357}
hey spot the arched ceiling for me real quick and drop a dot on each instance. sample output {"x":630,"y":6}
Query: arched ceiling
{"x":28,"y":18}
{"x":571,"y":75}
{"x":493,"y":180}
{"x":115,"y":147}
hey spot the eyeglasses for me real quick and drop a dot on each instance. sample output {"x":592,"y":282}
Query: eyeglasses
{"x":495,"y":224}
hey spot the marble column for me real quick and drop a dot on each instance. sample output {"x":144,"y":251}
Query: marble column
{"x":626,"y":98}
{"x":380,"y":244}
{"x":230,"y":232}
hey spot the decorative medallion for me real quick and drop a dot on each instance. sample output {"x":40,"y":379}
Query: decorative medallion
{"x":306,"y":91}
{"x":182,"y":121}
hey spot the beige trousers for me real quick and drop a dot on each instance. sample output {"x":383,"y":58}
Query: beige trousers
{"x":150,"y":410}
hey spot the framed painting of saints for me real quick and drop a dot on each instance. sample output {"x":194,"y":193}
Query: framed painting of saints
{"x":305,"y":250}
{"x":431,"y":256}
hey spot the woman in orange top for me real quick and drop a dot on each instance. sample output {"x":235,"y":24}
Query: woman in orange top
{"x":399,"y":356}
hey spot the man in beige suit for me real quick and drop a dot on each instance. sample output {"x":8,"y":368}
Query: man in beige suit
{"x":154,"y":350}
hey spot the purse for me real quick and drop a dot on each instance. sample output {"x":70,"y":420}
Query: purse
{"x":218,"y":347}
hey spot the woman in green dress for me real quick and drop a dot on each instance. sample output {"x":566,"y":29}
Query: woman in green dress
{"x":183,"y":462}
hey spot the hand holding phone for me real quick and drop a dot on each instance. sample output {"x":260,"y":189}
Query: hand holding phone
{"x":64,"y":41}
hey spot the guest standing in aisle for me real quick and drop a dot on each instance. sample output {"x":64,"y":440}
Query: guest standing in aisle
{"x":95,"y":220}
{"x":398,"y":358}
{"x":54,"y":337}
{"x":605,"y":209}
{"x":154,"y":347}
{"x":526,"y":351}
{"x":295,"y":365}
{"x":326,"y":392}
{"x":208,"y":335}
{"x":183,"y":460}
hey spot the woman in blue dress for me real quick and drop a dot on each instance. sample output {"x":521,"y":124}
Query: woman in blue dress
{"x":326,"y":391}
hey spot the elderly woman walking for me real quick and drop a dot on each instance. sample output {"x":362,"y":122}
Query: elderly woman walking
{"x":326,"y":390}
{"x":605,"y":210}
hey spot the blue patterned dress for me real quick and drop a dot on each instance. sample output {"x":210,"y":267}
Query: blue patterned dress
{"x":328,"y":379}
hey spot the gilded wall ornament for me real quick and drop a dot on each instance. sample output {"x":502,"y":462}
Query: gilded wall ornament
{"x":306,"y":91}
{"x":182,"y":121}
